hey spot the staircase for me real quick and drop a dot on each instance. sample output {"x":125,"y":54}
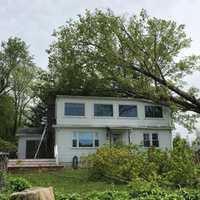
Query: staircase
{"x":32,"y":164}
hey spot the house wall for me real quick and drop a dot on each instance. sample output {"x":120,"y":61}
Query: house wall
{"x":90,"y":120}
{"x":66,"y":152}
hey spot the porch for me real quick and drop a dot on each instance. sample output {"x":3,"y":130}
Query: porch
{"x":118,"y":135}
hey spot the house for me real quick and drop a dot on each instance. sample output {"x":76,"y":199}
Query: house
{"x":85,"y":123}
{"x":78,"y":125}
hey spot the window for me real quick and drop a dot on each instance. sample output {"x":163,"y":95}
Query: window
{"x":85,"y":139}
{"x":153,"y":111}
{"x":103,"y":110}
{"x":146,"y":140}
{"x":96,"y":140}
{"x":74,"y":140}
{"x":127,"y":111}
{"x":74,"y":109}
{"x":155,"y":141}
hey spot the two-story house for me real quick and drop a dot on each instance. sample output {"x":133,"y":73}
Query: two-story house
{"x":85,"y":123}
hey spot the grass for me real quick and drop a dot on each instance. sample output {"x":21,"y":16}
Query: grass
{"x":66,"y":181}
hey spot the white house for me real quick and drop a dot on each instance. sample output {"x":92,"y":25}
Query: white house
{"x":85,"y":123}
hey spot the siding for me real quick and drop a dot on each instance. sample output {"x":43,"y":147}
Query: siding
{"x":67,"y":125}
{"x":90,"y":120}
{"x":66,"y":151}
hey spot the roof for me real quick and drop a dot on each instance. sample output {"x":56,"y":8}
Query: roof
{"x":30,"y":131}
{"x":108,"y":98}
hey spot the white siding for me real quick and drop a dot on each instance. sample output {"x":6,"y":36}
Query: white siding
{"x":64,"y":143}
{"x":66,"y":152}
{"x":90,"y":120}
{"x":164,"y":137}
{"x":136,"y":126}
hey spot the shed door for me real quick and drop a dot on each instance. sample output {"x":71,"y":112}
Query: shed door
{"x":31,"y":148}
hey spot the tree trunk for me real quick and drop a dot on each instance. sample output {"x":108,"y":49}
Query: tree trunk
{"x":50,"y":122}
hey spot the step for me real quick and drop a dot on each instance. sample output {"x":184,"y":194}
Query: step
{"x":32,"y":163}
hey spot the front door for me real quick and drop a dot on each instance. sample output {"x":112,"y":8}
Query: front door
{"x":31,"y":148}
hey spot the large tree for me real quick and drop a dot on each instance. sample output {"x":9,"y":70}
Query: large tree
{"x":17,"y":77}
{"x":13,"y":52}
{"x":138,"y":56}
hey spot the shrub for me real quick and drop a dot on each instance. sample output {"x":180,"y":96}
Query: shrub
{"x":4,"y":197}
{"x":2,"y":179}
{"x":130,"y":163}
{"x":155,"y":193}
{"x":18,"y":184}
{"x":121,"y":164}
{"x":6,"y":146}
{"x":182,"y":167}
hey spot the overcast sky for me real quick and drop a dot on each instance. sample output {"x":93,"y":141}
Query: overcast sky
{"x":35,"y":20}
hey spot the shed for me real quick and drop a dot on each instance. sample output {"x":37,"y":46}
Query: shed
{"x":28,"y":141}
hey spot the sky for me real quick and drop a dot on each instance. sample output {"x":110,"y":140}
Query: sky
{"x":35,"y":20}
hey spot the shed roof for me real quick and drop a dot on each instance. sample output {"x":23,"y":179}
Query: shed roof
{"x":30,"y":131}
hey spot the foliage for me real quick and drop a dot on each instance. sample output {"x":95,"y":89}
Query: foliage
{"x":6,"y":146}
{"x":153,"y":194}
{"x":6,"y":117}
{"x":12,"y":54}
{"x":17,"y":78}
{"x":75,"y":185}
{"x":2,"y":179}
{"x":18,"y":184}
{"x":129,"y":163}
{"x":66,"y":181}
{"x":183,"y":169}
{"x":4,"y":196}
{"x":101,"y":53}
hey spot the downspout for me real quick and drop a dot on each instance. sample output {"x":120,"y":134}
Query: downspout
{"x":109,"y":135}
{"x":129,"y":136}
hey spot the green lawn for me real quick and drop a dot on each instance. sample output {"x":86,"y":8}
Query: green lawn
{"x":66,"y":181}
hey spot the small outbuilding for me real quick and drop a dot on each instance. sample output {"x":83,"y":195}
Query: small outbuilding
{"x":28,"y":142}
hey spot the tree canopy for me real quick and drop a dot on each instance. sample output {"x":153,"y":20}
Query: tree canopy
{"x":17,"y":83}
{"x":101,"y":54}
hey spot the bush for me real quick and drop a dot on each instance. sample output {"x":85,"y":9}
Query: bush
{"x":6,"y":146}
{"x":18,"y":184}
{"x":120,"y":163}
{"x":182,"y":167}
{"x":2,"y":179}
{"x":129,"y":163}
{"x":4,"y":197}
{"x":145,"y":194}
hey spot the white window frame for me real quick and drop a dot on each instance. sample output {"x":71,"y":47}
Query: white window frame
{"x":151,"y":140}
{"x":126,"y":116}
{"x":75,"y":116}
{"x":95,"y":136}
{"x":103,"y":116}
{"x":154,"y":116}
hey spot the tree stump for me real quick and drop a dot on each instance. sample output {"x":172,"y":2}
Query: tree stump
{"x":34,"y":194}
